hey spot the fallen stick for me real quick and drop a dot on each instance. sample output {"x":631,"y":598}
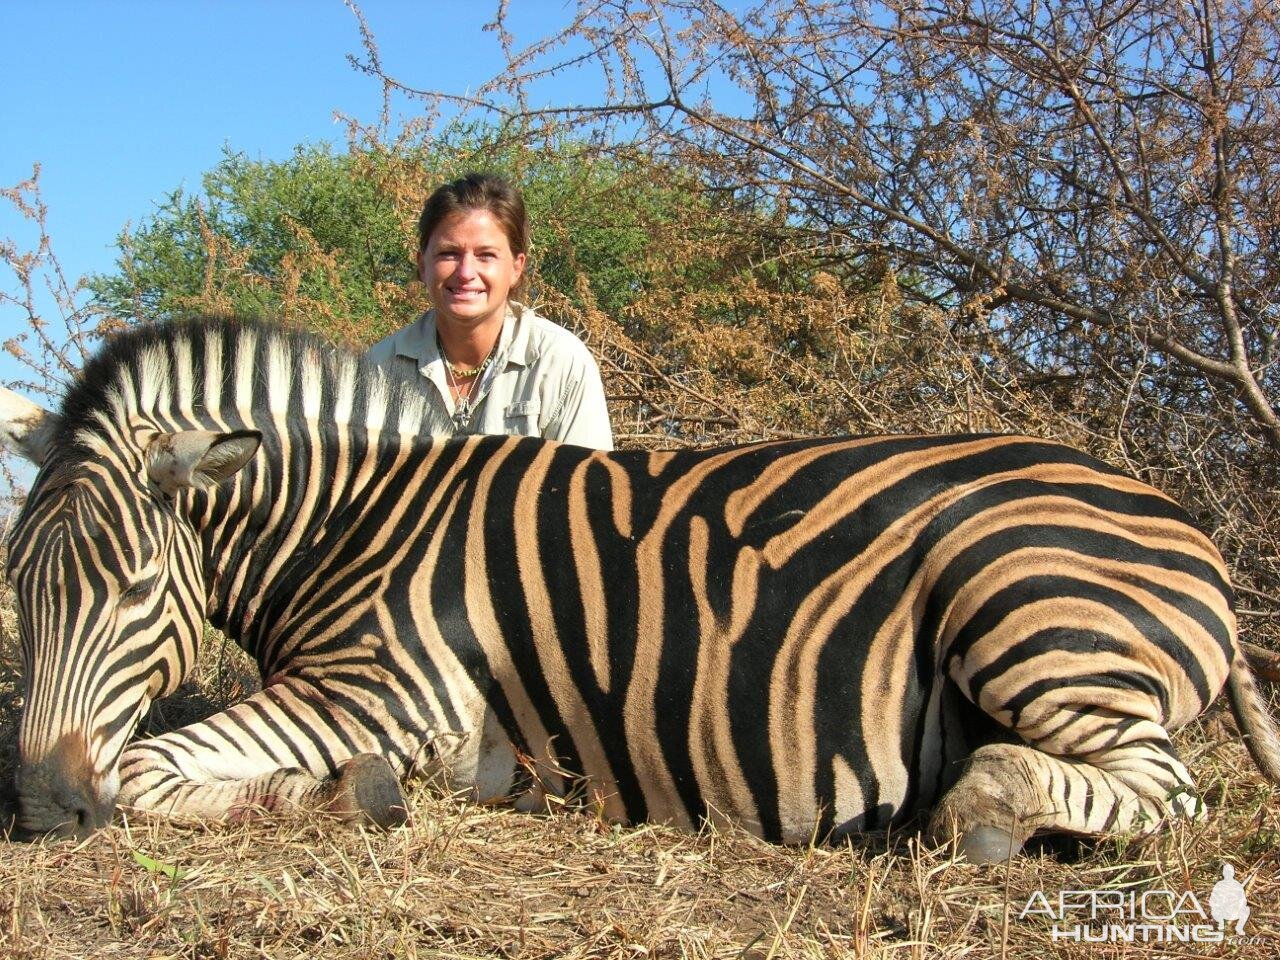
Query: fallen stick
{"x":1264,"y":662}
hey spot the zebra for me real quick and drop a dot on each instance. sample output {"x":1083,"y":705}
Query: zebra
{"x":989,"y":635}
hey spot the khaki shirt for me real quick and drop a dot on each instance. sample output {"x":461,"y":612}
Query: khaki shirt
{"x":544,"y":383}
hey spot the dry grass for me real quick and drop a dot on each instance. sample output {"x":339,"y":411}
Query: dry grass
{"x":467,"y":881}
{"x":462,"y":880}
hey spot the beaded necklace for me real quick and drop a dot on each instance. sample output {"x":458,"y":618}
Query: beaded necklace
{"x":463,"y":408}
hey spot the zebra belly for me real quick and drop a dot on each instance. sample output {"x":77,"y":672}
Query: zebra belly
{"x":784,"y":750}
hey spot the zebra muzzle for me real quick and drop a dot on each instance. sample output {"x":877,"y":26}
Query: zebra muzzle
{"x":61,"y":794}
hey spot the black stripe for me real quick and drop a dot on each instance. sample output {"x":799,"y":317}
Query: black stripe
{"x":1110,"y":679}
{"x":507,"y":594}
{"x":1030,"y":588}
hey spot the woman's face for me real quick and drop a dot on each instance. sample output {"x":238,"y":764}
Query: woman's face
{"x":469,"y":269}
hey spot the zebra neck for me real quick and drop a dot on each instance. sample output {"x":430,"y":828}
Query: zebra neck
{"x":267,"y":527}
{"x":329,"y":421}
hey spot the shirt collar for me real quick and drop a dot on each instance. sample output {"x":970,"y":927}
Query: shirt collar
{"x":522,"y":350}
{"x":418,"y":340}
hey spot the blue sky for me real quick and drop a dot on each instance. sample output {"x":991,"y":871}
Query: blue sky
{"x":121,"y":102}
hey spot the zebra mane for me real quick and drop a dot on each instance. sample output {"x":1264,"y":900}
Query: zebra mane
{"x":231,"y":369}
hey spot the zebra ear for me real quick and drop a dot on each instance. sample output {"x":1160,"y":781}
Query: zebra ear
{"x":198,"y":458}
{"x":26,"y":428}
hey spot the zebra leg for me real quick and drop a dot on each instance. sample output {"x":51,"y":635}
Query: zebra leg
{"x":1010,"y":791}
{"x":365,"y":788}
{"x":266,"y":753}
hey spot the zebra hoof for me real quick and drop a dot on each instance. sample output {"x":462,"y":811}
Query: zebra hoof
{"x":981,"y":845}
{"x":369,"y":791}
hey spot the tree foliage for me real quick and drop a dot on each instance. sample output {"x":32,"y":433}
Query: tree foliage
{"x":305,"y":237}
{"x":328,"y":239}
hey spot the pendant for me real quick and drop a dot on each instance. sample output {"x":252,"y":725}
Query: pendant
{"x":461,"y":416}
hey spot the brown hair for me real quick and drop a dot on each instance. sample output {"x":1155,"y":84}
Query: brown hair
{"x":479,"y":191}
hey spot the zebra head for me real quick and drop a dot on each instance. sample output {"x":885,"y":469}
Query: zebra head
{"x":108,"y":584}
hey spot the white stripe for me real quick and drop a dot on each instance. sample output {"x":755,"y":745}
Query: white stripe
{"x":345,"y":394}
{"x":184,"y":389}
{"x":246,"y":347}
{"x":213,"y":367}
{"x":279,"y":376}
{"x":154,"y":389}
{"x":310,"y":383}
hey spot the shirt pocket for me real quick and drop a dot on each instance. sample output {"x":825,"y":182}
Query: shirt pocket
{"x":522,"y":417}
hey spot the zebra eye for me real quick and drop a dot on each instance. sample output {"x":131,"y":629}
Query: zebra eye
{"x":136,"y":591}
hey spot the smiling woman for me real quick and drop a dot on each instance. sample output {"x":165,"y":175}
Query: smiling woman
{"x":494,"y":365}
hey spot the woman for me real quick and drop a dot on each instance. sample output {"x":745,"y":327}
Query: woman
{"x":494,"y":366}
